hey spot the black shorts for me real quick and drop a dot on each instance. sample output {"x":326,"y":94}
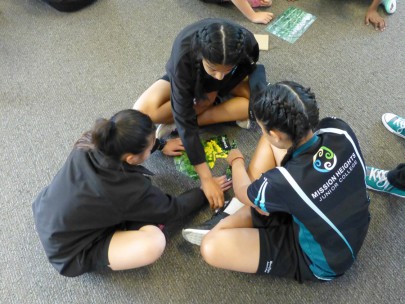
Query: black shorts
{"x":95,"y":256}
{"x":165,"y":77}
{"x":92,"y":258}
{"x":280,"y":254}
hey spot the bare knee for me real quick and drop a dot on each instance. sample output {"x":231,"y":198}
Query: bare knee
{"x":208,"y":248}
{"x":156,"y":244}
{"x":154,"y":100}
{"x":133,"y":249}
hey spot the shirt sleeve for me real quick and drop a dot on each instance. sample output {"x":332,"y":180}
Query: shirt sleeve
{"x":184,"y":115}
{"x":264,"y":193}
{"x":157,"y":207}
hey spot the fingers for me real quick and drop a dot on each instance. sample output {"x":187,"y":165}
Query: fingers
{"x":213,"y":192}
{"x":264,"y":17}
{"x":226,"y":185}
{"x":376,"y":20}
{"x":175,"y":153}
{"x":216,"y":202}
{"x":223,"y":182}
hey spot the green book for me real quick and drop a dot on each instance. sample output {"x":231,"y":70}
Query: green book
{"x":291,"y":24}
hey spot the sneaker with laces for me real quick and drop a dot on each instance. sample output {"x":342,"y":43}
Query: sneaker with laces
{"x":195,"y":234}
{"x":394,"y":123}
{"x":376,"y":179}
{"x":164,"y":130}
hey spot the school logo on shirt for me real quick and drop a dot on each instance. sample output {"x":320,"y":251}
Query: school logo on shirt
{"x":324,"y":160}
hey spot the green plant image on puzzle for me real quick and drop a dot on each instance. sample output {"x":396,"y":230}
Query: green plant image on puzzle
{"x":291,"y":24}
{"x":215,"y":148}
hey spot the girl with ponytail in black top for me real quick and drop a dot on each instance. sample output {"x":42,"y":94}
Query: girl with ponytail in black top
{"x":101,"y":208}
{"x":306,"y":213}
{"x":210,"y":60}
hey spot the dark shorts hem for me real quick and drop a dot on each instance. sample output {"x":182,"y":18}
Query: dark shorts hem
{"x":92,"y":258}
{"x":280,"y":254}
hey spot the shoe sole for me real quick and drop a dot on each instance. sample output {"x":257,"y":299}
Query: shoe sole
{"x":390,"y":129}
{"x":382,"y":191}
{"x":194,"y":236}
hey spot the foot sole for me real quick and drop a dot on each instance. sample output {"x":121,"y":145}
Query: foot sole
{"x":194,"y":236}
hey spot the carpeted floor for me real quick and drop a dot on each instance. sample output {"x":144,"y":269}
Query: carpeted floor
{"x":59,"y":72}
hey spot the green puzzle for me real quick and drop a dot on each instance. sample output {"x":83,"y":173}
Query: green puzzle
{"x":215,"y":148}
{"x":291,"y":24}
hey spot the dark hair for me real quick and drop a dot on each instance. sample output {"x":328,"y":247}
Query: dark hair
{"x":288,"y":107}
{"x":220,"y":43}
{"x":127,"y":131}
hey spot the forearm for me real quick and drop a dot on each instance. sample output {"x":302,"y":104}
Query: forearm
{"x":374,"y":5}
{"x":241,"y":180}
{"x":203,"y":171}
{"x":244,"y":7}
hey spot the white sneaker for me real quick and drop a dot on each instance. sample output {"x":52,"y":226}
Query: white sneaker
{"x":244,"y":124}
{"x":164,"y":130}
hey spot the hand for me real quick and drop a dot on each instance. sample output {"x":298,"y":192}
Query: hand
{"x":375,"y":19}
{"x":262,"y":17}
{"x":223,"y":182}
{"x":213,"y":192}
{"x":173,"y":147}
{"x":234,"y":154}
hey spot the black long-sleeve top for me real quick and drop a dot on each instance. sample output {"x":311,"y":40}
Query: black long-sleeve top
{"x":181,"y":70}
{"x":92,"y":194}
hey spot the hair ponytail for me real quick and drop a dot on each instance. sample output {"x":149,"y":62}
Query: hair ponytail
{"x":128,"y":131}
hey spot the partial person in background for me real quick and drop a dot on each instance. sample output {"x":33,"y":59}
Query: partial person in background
{"x":246,"y":7}
{"x":393,"y":181}
{"x":101,"y":209}
{"x":69,"y":6}
{"x":373,"y":17}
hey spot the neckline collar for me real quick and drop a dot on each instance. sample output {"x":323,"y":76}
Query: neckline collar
{"x":305,"y":146}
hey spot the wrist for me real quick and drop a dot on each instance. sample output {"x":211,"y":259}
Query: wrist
{"x":236,"y":159}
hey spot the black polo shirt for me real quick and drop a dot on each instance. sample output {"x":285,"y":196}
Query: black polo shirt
{"x":323,"y":188}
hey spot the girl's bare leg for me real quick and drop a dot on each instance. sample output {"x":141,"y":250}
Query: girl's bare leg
{"x":265,"y":157}
{"x":133,"y":249}
{"x":233,"y":244}
{"x":155,"y":102}
{"x":235,"y":108}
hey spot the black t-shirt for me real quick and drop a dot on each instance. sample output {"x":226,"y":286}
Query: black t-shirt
{"x":181,"y":70}
{"x":323,"y":188}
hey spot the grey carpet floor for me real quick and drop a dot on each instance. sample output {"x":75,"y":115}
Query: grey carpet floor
{"x":59,"y":72}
